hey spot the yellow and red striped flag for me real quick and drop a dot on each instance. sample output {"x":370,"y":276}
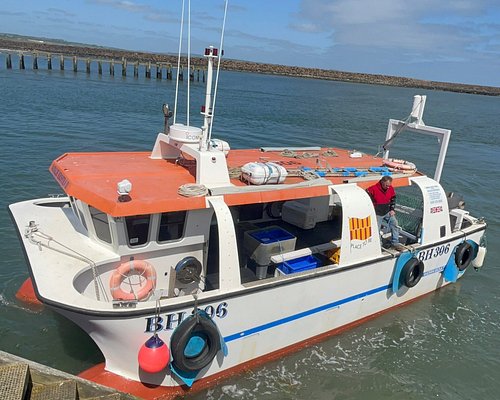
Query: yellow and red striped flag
{"x":360,"y":228}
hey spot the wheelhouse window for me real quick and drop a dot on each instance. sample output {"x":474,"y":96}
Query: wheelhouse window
{"x":171,"y":226}
{"x":101,"y":224}
{"x":77,"y":210}
{"x":137,"y":229}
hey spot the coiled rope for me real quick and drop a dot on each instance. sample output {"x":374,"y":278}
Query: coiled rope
{"x":192,"y":190}
{"x":293,"y":154}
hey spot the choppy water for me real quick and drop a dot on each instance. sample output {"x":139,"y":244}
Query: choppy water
{"x":445,"y":346}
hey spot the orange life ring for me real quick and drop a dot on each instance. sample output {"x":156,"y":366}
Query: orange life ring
{"x":395,"y":164}
{"x":132,"y":267}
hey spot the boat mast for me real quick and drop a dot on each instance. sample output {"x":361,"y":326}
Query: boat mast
{"x":206,"y":110}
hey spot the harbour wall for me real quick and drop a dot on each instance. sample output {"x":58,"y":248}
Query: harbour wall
{"x":164,"y":62}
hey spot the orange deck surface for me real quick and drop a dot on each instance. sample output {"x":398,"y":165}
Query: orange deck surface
{"x":92,"y":178}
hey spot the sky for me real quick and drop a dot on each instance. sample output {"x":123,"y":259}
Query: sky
{"x":441,"y":40}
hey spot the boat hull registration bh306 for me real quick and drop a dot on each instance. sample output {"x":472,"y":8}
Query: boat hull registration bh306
{"x":190,"y":262}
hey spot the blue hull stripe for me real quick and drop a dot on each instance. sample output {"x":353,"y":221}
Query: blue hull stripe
{"x":303,"y":314}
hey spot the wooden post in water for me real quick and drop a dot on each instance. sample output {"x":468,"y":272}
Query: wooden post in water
{"x":203,"y":76}
{"x":158,"y":71}
{"x":148,"y":70}
{"x":191,"y":75}
{"x":87,"y":65}
{"x":198,"y":74}
{"x":124,"y":67}
{"x":8,"y":60}
{"x":49,"y":62}
{"x":21,"y":61}
{"x":136,"y":69}
{"x":169,"y":72}
{"x":112,"y":67}
{"x":99,"y":67}
{"x":61,"y":62}
{"x":75,"y":64}
{"x":181,"y":74}
{"x":35,"y":61}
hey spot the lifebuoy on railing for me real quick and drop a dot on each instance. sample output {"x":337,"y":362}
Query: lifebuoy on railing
{"x":464,"y":254}
{"x":195,"y":343}
{"x":140,"y":268}
{"x":396,"y":165}
{"x":412,"y":272}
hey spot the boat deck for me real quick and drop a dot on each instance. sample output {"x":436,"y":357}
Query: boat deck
{"x":92,"y":178}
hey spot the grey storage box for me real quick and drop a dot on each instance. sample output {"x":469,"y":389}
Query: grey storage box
{"x":261,"y":244}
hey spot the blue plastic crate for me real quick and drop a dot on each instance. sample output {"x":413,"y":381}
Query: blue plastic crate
{"x":299,"y":264}
{"x":271,"y":235}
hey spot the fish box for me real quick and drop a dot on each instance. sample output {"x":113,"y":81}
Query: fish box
{"x":299,"y":264}
{"x":261,"y":244}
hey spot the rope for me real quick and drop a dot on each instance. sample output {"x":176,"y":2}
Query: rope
{"x":234,"y":172}
{"x":388,"y":142}
{"x":288,"y":153}
{"x":308,"y":155}
{"x":192,"y":190}
{"x":308,"y":175}
{"x":293,"y":154}
{"x":329,"y":153}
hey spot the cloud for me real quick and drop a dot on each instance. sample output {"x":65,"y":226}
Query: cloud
{"x":306,"y":27}
{"x":259,"y":43}
{"x":58,"y":11}
{"x":13,"y":14}
{"x":161,"y":17}
{"x":430,"y":26}
{"x":124,"y":5}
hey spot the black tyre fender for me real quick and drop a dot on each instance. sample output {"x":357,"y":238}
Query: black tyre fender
{"x":200,"y":326}
{"x":464,"y":254}
{"x":412,"y":272}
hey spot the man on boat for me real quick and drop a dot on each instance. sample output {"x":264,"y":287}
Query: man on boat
{"x":384,"y":199}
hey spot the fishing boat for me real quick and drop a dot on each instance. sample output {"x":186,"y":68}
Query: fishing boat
{"x":194,"y":261}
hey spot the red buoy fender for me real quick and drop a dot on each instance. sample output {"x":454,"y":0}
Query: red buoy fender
{"x":139,"y":267}
{"x":154,"y":355}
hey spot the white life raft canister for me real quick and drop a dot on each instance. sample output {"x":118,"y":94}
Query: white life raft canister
{"x":263,"y":173}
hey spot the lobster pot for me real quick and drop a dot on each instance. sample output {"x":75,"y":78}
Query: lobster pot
{"x":263,"y":173}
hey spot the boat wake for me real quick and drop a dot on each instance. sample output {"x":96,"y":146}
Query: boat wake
{"x":390,"y":352}
{"x":13,"y":304}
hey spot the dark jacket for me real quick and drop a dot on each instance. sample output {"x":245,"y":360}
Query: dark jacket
{"x":383,"y":200}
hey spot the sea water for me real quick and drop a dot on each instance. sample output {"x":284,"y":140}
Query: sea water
{"x":444,"y":346}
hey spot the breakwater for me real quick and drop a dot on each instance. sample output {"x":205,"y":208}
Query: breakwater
{"x":148,"y":59}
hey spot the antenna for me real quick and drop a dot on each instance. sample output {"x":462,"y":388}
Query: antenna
{"x":178,"y":63}
{"x":189,"y":62}
{"x":218,"y":70}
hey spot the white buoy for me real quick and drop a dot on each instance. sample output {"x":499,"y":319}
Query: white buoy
{"x":479,"y":260}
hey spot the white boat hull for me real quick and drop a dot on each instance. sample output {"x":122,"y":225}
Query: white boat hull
{"x":267,"y":318}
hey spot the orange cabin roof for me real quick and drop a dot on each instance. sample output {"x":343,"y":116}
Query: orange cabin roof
{"x":92,"y":178}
